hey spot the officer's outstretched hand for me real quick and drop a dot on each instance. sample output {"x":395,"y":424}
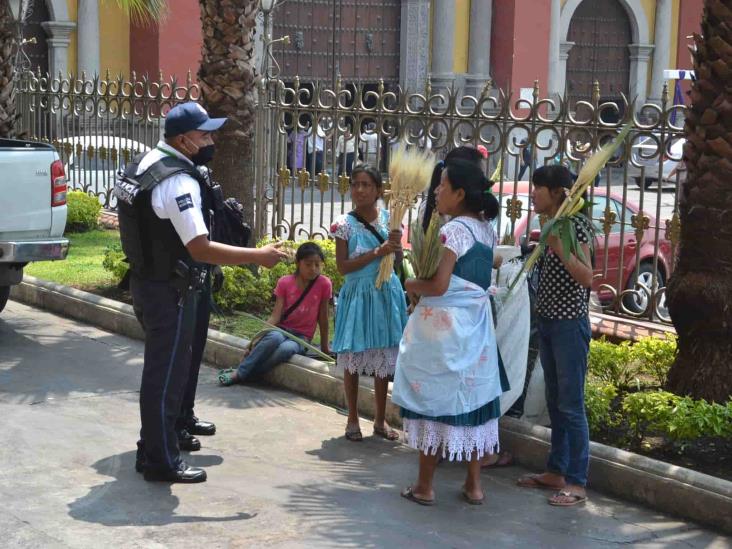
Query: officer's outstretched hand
{"x":271,"y":254}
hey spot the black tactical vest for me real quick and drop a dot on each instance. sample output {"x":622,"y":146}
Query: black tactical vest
{"x":151,"y":244}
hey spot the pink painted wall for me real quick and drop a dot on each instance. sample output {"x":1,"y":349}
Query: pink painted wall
{"x":520,"y":44}
{"x":690,"y":15}
{"x":172,"y":46}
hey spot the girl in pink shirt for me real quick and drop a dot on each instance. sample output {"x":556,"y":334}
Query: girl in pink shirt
{"x":302,"y":304}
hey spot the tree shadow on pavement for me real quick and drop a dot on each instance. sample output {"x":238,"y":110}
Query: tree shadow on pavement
{"x":128,"y":500}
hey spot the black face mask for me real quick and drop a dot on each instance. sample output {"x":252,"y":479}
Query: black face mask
{"x":204,"y":155}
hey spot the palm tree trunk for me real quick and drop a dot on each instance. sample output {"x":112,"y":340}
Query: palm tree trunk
{"x":8,"y":49}
{"x":700,"y":290}
{"x":227,"y":79}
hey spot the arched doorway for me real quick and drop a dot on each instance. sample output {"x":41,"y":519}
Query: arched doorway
{"x":37,"y":53}
{"x":601,"y":32}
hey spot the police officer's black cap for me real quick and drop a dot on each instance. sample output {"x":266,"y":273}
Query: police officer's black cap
{"x":190,"y":116}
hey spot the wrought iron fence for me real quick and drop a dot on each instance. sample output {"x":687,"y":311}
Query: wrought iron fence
{"x":309,"y":137}
{"x":312,"y":135}
{"x":97,"y":124}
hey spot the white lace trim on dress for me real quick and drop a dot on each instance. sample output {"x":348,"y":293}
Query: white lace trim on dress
{"x":457,"y":443}
{"x":374,"y":362}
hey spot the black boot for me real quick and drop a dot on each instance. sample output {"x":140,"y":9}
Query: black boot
{"x":188,"y":442}
{"x":184,"y":474}
{"x":201,"y":428}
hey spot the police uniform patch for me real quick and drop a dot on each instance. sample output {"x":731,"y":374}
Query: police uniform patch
{"x":184,"y":202}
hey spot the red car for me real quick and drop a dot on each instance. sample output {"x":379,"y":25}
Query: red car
{"x":607,"y":249}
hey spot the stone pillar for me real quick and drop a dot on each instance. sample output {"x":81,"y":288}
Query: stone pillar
{"x":443,"y":32}
{"x":639,"y":56}
{"x":556,"y":77}
{"x":59,"y":33}
{"x":88,"y":38}
{"x":414,"y":44}
{"x":561,"y":78}
{"x":662,"y":48}
{"x":479,"y":53}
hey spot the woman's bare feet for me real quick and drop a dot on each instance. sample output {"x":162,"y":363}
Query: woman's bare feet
{"x":551,"y":481}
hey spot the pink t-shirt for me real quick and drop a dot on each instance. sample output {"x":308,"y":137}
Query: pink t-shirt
{"x":304,"y":319}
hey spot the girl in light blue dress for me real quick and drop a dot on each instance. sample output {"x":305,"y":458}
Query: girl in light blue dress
{"x":449,"y":376}
{"x":369,"y":321}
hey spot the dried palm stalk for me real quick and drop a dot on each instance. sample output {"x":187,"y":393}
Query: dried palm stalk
{"x":427,"y":248}
{"x":561,"y":224}
{"x":409,"y":174}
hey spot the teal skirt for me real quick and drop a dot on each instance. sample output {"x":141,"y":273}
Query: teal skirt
{"x":367,"y":317}
{"x":482,"y":415}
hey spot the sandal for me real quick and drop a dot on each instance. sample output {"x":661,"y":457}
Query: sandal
{"x":227,"y":378}
{"x":574,"y":499}
{"x":354,"y":435}
{"x":388,"y":434}
{"x":409,"y":494}
{"x":471,"y":500}
{"x":535,"y":481}
{"x":505,"y":459}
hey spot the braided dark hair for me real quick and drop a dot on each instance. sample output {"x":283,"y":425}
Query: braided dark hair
{"x":470,"y":154}
{"x":468,"y":176}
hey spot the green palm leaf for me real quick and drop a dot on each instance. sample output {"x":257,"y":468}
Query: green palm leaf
{"x":267,"y":327}
{"x":144,"y":11}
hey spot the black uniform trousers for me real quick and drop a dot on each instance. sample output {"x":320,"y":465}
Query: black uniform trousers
{"x":169,"y":319}
{"x":200,"y":334}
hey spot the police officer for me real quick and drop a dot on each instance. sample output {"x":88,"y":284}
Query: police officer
{"x":164,"y":209}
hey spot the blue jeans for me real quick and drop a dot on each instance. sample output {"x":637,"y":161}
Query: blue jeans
{"x":563,"y":347}
{"x":274,"y":348}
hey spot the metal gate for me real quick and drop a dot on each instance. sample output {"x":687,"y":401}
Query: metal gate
{"x":357,"y":39}
{"x":600,"y":30}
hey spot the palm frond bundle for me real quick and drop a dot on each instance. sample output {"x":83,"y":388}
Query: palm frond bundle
{"x":561,"y":225}
{"x":409,"y":174}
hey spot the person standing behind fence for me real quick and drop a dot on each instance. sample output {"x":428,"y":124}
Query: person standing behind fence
{"x":564,"y":338}
{"x":164,"y":203}
{"x":369,"y":321}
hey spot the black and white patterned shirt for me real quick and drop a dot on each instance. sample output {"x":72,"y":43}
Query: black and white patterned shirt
{"x":559,"y":296}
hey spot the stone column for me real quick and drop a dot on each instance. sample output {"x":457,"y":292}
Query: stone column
{"x":662,"y":48}
{"x":556,"y":79}
{"x":414,"y":44}
{"x":639,"y":56}
{"x":88,"y":38}
{"x":561,"y":78}
{"x":59,"y":33}
{"x":443,"y":31}
{"x":479,"y":53}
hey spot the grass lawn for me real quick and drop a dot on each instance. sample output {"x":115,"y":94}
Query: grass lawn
{"x":83,"y":266}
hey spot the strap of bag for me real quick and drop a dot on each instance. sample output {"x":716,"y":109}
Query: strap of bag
{"x":368,"y":226}
{"x":295,"y":305}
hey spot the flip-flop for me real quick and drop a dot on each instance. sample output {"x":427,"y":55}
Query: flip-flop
{"x":576,"y":499}
{"x":472,"y":501}
{"x":226,"y":377}
{"x":505,"y":459}
{"x":388,"y":434}
{"x":354,"y":435}
{"x":534,"y":481}
{"x":407,"y":493}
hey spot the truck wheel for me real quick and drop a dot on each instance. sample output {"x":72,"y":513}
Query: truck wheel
{"x":4,"y":294}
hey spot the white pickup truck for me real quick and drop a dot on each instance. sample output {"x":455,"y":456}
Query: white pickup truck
{"x":32,"y":209}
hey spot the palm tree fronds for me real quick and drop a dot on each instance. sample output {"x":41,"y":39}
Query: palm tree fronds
{"x":144,"y":11}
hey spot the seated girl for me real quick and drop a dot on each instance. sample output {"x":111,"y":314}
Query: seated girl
{"x":302,"y":303}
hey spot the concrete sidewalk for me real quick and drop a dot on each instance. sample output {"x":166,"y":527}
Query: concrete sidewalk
{"x":280,"y":472}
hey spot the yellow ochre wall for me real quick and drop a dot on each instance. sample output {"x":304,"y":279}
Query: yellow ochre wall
{"x":114,"y":33}
{"x":462,"y":36}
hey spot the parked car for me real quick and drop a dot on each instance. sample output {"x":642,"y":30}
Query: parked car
{"x":32,"y":209}
{"x":645,"y":154}
{"x":608,"y":250}
{"x":95,"y":159}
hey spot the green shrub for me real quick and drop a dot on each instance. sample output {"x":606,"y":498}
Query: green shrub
{"x":82,"y":213}
{"x":611,"y":363}
{"x":648,"y":411}
{"x":654,"y":356}
{"x":114,"y":262}
{"x":598,"y":404}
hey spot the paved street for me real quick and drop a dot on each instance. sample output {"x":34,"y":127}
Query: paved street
{"x":280,"y":473}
